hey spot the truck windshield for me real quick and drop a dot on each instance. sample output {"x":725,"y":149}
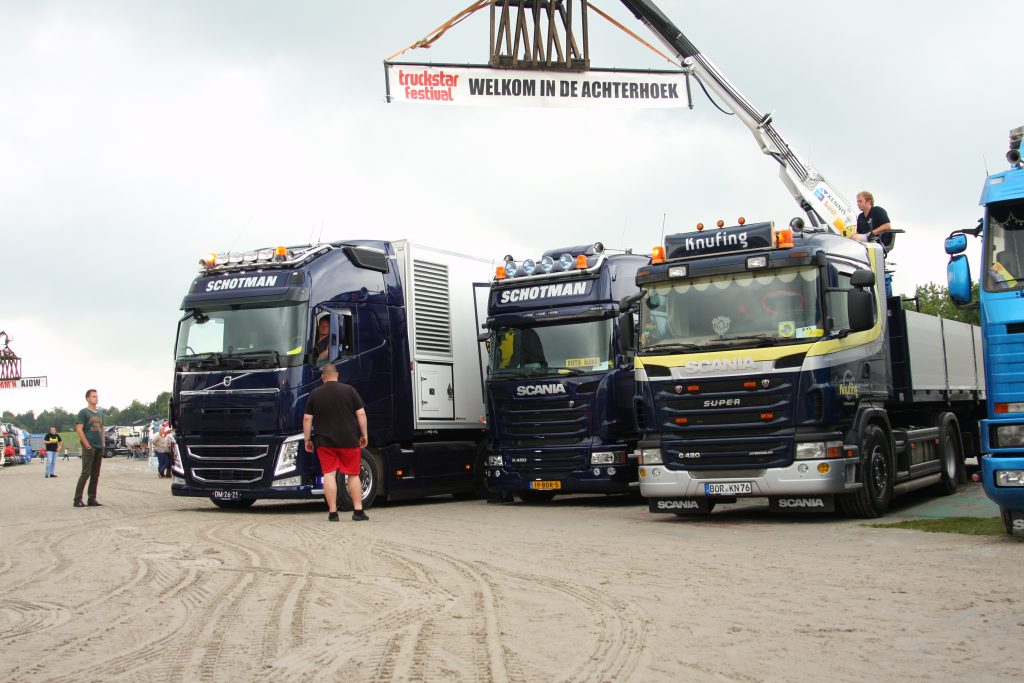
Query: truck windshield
{"x":1004,"y":247}
{"x":738,"y":309}
{"x":267,"y":335}
{"x":572,"y":348}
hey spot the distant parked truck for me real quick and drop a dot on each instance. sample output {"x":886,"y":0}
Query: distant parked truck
{"x":559,"y":395}
{"x":402,"y":322}
{"x":1002,"y":322}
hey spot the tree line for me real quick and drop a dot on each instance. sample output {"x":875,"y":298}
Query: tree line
{"x":934,"y":299}
{"x":65,"y":422}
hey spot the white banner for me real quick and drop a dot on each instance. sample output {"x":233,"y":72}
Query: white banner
{"x":479,"y":86}
{"x":23,"y":383}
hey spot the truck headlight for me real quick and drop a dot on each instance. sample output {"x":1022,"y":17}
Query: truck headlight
{"x":818,"y":450}
{"x":1009,"y":477}
{"x":607,"y":458}
{"x":1008,"y":436}
{"x":176,"y":465}
{"x":650,"y":456}
{"x":494,"y":461}
{"x":288,"y":458}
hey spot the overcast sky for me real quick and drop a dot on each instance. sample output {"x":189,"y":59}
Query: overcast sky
{"x":136,"y":136}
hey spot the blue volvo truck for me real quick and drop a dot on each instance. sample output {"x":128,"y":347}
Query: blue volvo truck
{"x":559,"y":395}
{"x":403,"y":322}
{"x":1001,"y":230}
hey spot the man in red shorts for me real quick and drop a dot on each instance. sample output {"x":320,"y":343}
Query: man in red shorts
{"x":336,"y":411}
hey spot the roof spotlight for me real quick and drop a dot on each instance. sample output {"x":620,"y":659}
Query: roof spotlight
{"x":511,"y":269}
{"x":547,"y":264}
{"x":566,"y":261}
{"x":529,"y":266}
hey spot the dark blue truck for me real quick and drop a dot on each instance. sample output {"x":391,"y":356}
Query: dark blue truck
{"x":559,"y":396}
{"x":403,"y":324}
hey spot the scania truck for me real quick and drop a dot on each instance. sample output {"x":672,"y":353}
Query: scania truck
{"x":771,"y":364}
{"x":559,"y":395}
{"x":402,"y":322}
{"x":1002,"y":323}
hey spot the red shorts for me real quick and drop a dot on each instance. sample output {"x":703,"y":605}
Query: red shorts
{"x":344,"y":460}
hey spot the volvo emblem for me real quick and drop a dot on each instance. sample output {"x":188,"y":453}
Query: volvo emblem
{"x":227,"y":381}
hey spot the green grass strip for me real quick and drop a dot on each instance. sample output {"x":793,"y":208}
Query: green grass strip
{"x":974,"y":526}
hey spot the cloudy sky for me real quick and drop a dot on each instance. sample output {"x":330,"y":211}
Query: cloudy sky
{"x":136,"y":136}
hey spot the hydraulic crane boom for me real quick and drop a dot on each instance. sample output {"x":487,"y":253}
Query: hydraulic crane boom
{"x":824,"y":205}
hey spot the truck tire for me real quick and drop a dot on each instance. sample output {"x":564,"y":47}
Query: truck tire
{"x":481,"y":486}
{"x":950,"y":455}
{"x":234,"y":504}
{"x":877,"y":474}
{"x":369,"y":481}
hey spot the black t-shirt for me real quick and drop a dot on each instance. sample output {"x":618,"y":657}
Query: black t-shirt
{"x":875,"y":218}
{"x":52,"y":441}
{"x":333,"y":407}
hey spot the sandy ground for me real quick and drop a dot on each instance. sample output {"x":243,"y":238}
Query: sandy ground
{"x":156,"y":588}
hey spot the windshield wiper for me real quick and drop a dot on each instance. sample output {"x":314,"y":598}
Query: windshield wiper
{"x":762,"y":339}
{"x":268,"y":357}
{"x":670,"y":348}
{"x":567,"y":371}
{"x":520,"y":372}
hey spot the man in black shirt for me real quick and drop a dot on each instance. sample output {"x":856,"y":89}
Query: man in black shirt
{"x":872,"y":220}
{"x":53,"y":442}
{"x":337,"y":413}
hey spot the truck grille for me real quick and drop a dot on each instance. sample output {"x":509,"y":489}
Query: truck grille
{"x":218,"y":476}
{"x":227,"y":452}
{"x":726,"y":423}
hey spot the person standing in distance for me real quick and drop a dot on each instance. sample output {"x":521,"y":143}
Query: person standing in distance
{"x":89,"y":427}
{"x":53,"y":442}
{"x":336,"y":411}
{"x":872,"y":220}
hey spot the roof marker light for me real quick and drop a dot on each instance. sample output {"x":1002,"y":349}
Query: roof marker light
{"x":658,"y":255}
{"x":741,"y":220}
{"x":720,"y":223}
{"x":700,"y":226}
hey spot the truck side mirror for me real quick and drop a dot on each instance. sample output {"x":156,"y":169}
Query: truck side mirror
{"x":627,"y":333}
{"x":956,"y":244}
{"x":862,"y":277}
{"x":861,"y":309}
{"x":958,"y":277}
{"x":626,"y":303}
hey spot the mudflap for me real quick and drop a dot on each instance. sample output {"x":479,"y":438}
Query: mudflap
{"x":826,"y":503}
{"x":1014,"y":520}
{"x":681,"y":506}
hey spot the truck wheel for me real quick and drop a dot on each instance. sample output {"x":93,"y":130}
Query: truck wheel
{"x":877,"y":476}
{"x":369,"y":482}
{"x":950,"y":455}
{"x":536,"y":497}
{"x":481,"y":487}
{"x":234,"y":504}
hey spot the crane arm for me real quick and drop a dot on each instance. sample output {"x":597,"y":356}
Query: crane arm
{"x":818,"y":198}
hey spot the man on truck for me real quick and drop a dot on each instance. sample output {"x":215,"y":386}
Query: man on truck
{"x":337,"y":412}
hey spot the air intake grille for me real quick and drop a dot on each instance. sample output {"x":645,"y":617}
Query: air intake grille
{"x":432,"y":308}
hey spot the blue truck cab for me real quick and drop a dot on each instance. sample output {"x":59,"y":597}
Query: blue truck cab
{"x":401,"y":323}
{"x":1002,"y":322}
{"x":559,"y":396}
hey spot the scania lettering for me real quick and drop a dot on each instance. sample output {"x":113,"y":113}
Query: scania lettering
{"x":1002,"y":323}
{"x":558,"y":396}
{"x":401,"y":322}
{"x":847,"y":399}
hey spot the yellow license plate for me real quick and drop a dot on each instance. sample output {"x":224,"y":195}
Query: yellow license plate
{"x":545,"y":485}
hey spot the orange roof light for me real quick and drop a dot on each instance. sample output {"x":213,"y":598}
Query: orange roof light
{"x":581,"y":262}
{"x":658,"y":255}
{"x":499,"y":273}
{"x":741,"y":220}
{"x":700,"y":226}
{"x":281,"y":253}
{"x":720,"y":223}
{"x":209,"y":260}
{"x":784,"y":238}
